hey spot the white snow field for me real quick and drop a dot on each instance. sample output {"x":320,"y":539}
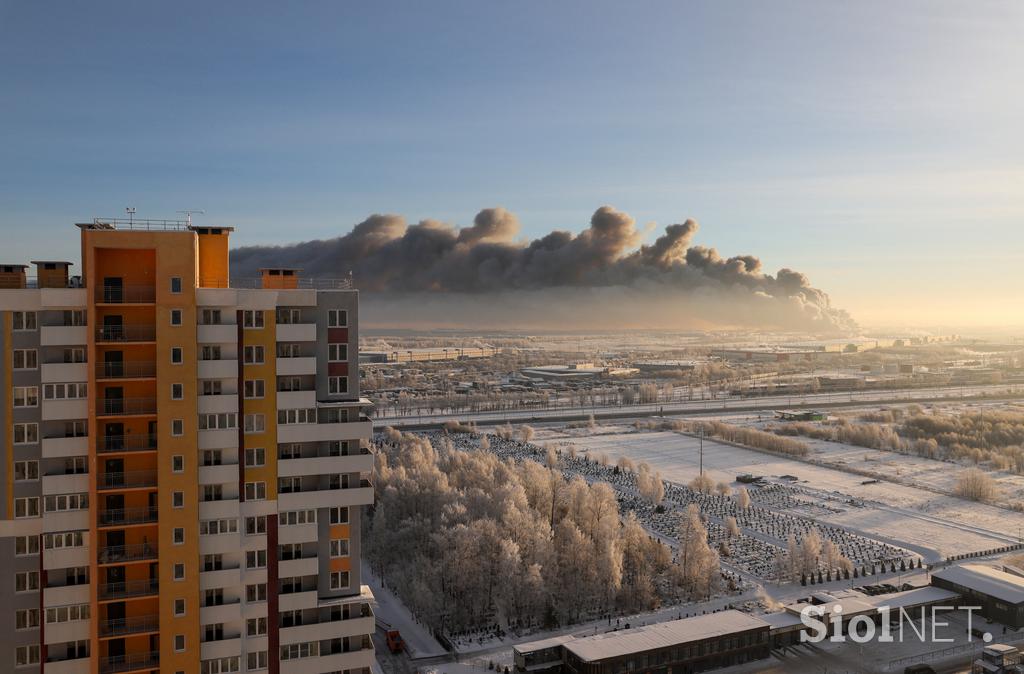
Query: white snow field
{"x":911,"y":517}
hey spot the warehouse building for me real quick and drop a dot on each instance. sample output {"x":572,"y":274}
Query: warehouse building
{"x":999,"y":594}
{"x":695,"y":644}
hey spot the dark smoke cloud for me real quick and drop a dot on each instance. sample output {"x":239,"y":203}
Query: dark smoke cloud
{"x":401,"y":262}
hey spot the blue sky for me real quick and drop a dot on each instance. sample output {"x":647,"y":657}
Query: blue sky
{"x":876,"y":146}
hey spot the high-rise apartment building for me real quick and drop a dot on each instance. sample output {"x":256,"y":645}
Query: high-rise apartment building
{"x":184,"y":462}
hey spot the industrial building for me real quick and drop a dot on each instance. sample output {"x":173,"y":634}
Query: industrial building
{"x":426,"y":355}
{"x":575,"y":372}
{"x":999,"y":594}
{"x":183,"y":463}
{"x":693,"y":644}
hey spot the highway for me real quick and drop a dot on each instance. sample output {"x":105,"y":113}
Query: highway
{"x":731,"y":404}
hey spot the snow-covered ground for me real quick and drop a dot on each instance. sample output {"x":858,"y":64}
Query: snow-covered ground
{"x":921,"y":519}
{"x":390,"y":611}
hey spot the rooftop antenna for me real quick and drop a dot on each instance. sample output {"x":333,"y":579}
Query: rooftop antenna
{"x":131,"y":215}
{"x":188,"y":215}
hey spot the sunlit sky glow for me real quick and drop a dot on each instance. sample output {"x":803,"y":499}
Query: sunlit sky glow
{"x":877,"y":147}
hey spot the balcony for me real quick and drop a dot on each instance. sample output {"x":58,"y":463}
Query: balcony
{"x":119,"y":554}
{"x":63,"y":335}
{"x":132,"y":332}
{"x":133,"y":479}
{"x":67,"y":408}
{"x":217,"y":334}
{"x":324,"y":432}
{"x":327,"y":497}
{"x":130,"y":663}
{"x":127,"y":517}
{"x":123,"y":407}
{"x":60,"y":447}
{"x":65,"y":483}
{"x":129,"y":369}
{"x":69,"y":666}
{"x":296,"y":400}
{"x":361,"y":462}
{"x":54,"y":373}
{"x":296,"y":332}
{"x":225,"y":368}
{"x":127,"y":589}
{"x":125,"y":295}
{"x":296,"y":366}
{"x":111,"y":444}
{"x":124,"y":626}
{"x":218,"y":404}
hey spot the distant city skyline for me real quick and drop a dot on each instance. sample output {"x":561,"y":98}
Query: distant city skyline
{"x":874,"y":147}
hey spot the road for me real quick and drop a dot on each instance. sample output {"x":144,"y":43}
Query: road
{"x":717,"y":406}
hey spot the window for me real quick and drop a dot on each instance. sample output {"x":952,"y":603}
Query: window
{"x":339,"y":580}
{"x":289,"y":551}
{"x":255,"y":457}
{"x":76,"y":465}
{"x":254,"y":388}
{"x":175,"y":316}
{"x":179,"y":607}
{"x":74,"y":317}
{"x":339,"y":515}
{"x":176,"y":284}
{"x":252,"y":318}
{"x":257,"y":592}
{"x":253,"y":355}
{"x":289,"y":451}
{"x":26,"y":434}
{"x":71,"y":613}
{"x":255,"y":491}
{"x":337,"y":318}
{"x":255,"y":661}
{"x":26,"y":655}
{"x":339,"y":547}
{"x":209,"y":317}
{"x":213,"y":492}
{"x":178,"y":499}
{"x":294,"y":517}
{"x":26,"y":581}
{"x":178,"y":463}
{"x":255,"y":423}
{"x":26,"y":470}
{"x":177,"y":355}
{"x":337,"y":385}
{"x":209,"y":352}
{"x":177,"y":391}
{"x":24,"y":320}
{"x":289,"y":350}
{"x":287,"y":316}
{"x":255,"y":525}
{"x":337,"y":353}
{"x":179,"y":642}
{"x":62,"y":391}
{"x":212,"y":387}
{"x":66,"y":539}
{"x":26,"y":545}
{"x":303,"y":416}
{"x":255,"y":627}
{"x":75,"y":429}
{"x":212,"y":457}
{"x":289,"y":383}
{"x":74,"y":355}
{"x":256,"y":559}
{"x":26,"y":619}
{"x":213,"y":563}
{"x":220,"y":665}
{"x":179,"y":571}
{"x":224,"y":420}
{"x":27,"y":506}
{"x":309,"y":649}
{"x":66,"y":502}
{"x":214,"y":597}
{"x":179,"y":535}
{"x":26,"y":396}
{"x":289,"y":485}
{"x":26,"y":359}
{"x":215,"y":527}
{"x":177,"y":427}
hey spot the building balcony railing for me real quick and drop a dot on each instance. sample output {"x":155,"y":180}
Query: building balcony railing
{"x":130,"y":663}
{"x":129,"y":369}
{"x":127,"y":516}
{"x":126,"y":333}
{"x":113,"y":294}
{"x":126,"y":443}
{"x":123,"y":626}
{"x":128,"y":480}
{"x":128,"y":588}
{"x":117,"y":554}
{"x":114,"y":407}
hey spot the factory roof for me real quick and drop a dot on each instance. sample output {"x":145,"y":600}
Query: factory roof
{"x":542,"y":644}
{"x":986,"y":580}
{"x":662,"y":635}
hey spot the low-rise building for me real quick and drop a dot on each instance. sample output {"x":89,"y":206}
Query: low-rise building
{"x":1000,"y":594}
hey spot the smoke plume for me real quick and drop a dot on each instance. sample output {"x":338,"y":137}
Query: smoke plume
{"x":433,"y":267}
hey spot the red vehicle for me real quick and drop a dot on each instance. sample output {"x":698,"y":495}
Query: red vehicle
{"x":395,"y":643}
